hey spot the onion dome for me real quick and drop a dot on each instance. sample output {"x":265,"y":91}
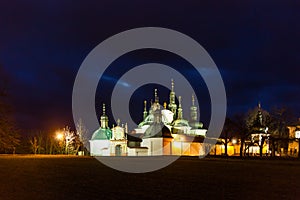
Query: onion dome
{"x":102,"y":134}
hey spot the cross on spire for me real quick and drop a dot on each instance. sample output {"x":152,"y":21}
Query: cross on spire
{"x":193,"y":100}
{"x":179,"y":116}
{"x":179,"y":100}
{"x":155,"y":95}
{"x":145,"y":105}
{"x":103,"y":109}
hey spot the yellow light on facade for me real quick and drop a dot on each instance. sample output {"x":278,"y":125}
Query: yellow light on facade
{"x":297,"y":134}
{"x":177,"y":145}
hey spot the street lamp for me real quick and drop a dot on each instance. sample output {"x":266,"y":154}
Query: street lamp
{"x":234,"y":140}
{"x":59,"y":136}
{"x":297,"y":135}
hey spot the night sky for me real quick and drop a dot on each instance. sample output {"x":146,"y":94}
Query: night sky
{"x":255,"y":45}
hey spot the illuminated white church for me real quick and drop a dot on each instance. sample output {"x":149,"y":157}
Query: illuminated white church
{"x":163,"y":131}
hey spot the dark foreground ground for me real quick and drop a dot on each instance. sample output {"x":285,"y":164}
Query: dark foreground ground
{"x":56,"y":177}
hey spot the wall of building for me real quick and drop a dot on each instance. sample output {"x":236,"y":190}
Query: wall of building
{"x":100,"y":147}
{"x":139,"y":151}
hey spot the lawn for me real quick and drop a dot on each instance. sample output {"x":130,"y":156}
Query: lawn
{"x":68,"y":177}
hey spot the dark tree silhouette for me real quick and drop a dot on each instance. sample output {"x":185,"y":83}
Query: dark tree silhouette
{"x":230,"y":128}
{"x":9,"y":137}
{"x":240,"y":130}
{"x":281,"y":117}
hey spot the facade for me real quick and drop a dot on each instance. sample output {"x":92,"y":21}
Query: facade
{"x":294,"y":137}
{"x":163,"y":131}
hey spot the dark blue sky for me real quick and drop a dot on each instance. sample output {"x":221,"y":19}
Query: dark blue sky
{"x":255,"y":44}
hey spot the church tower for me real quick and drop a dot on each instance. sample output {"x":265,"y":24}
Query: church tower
{"x":157,"y":129}
{"x":100,"y":141}
{"x":172,"y":104}
{"x":157,"y":137}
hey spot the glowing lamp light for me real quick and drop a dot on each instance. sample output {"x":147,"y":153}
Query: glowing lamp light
{"x":234,"y":140}
{"x":59,"y":136}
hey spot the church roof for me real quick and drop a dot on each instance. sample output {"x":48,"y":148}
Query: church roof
{"x":147,"y":121}
{"x":157,"y":130}
{"x":196,"y":125}
{"x":180,"y":123}
{"x":134,"y":137}
{"x":102,"y":134}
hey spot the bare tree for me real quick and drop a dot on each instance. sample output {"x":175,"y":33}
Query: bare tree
{"x":69,"y":137}
{"x":34,"y":144}
{"x":81,"y":136}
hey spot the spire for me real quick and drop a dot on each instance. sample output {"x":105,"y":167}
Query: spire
{"x":155,"y":96}
{"x":193,"y":110}
{"x":145,"y":105}
{"x":179,"y":101}
{"x":126,"y":127}
{"x":118,"y":122}
{"x":104,"y":118}
{"x":145,"y":113}
{"x":165,"y":105}
{"x":179,"y":109}
{"x":193,"y":100}
{"x":155,"y":106}
{"x":172,"y":103}
{"x":103,"y":109}
{"x":259,"y":114}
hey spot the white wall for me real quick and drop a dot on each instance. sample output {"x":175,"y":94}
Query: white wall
{"x":154,"y":145}
{"x":100,"y":147}
{"x":137,"y":151}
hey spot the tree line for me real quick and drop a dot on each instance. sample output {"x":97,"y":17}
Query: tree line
{"x":243,"y":125}
{"x":62,"y":141}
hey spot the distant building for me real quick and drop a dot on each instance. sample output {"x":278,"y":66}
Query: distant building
{"x":294,"y":136}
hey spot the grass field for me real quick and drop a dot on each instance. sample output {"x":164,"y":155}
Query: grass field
{"x":59,"y":177}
